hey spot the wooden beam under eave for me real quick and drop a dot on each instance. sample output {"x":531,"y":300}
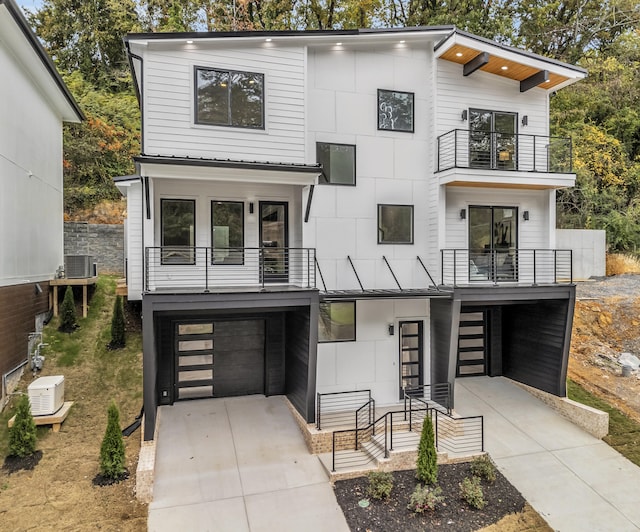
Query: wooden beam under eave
{"x":533,"y":81}
{"x":477,"y":62}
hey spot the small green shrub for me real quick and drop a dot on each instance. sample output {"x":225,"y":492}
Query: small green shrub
{"x":482,"y":467}
{"x":22,"y":436}
{"x":471,"y":492}
{"x":68,"y":318}
{"x":112,"y":448}
{"x":427,"y":463}
{"x":117,"y":325}
{"x":380,"y":484}
{"x":424,"y":499}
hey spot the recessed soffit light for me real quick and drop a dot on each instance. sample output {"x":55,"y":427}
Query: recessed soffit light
{"x":504,"y":67}
{"x":458,"y":54}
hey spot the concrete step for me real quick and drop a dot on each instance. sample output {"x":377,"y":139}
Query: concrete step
{"x":349,"y":464}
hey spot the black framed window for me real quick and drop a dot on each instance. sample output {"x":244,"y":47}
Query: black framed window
{"x":338,"y":163}
{"x":227,"y":232}
{"x":178,"y":231}
{"x":337,"y":321}
{"x":395,"y":224}
{"x":395,"y":110}
{"x":229,"y":98}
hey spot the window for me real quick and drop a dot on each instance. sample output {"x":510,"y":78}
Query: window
{"x":337,"y":321}
{"x":338,"y":163}
{"x":395,"y":110}
{"x":178,"y":231}
{"x":395,"y":224}
{"x":229,"y":98}
{"x":227,"y":232}
{"x":493,"y":139}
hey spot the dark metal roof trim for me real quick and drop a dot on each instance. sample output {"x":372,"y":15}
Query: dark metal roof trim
{"x":124,"y":178}
{"x":281,"y":33}
{"x":384,"y":293}
{"x":509,"y":49}
{"x":229,"y":163}
{"x":23,"y":24}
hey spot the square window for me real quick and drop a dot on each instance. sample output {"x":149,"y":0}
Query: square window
{"x":178,"y":231}
{"x":395,"y":110}
{"x":338,"y":163}
{"x":395,"y":224}
{"x":229,"y":98}
{"x":337,"y":321}
{"x":227,"y":232}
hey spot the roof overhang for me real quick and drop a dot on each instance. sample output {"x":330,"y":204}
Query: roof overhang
{"x":531,"y":70}
{"x":228,"y":170}
{"x":470,"y":177}
{"x":123,"y":182}
{"x":18,"y":37}
{"x":378,"y":293}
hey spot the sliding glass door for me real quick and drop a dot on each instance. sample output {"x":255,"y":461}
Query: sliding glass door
{"x":492,"y":139}
{"x":493,"y":241}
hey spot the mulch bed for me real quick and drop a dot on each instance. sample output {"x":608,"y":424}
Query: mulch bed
{"x":101,"y":480}
{"x":453,"y":513}
{"x":13,"y":464}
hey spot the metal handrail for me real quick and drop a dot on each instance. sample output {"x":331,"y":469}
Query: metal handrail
{"x":346,"y":402}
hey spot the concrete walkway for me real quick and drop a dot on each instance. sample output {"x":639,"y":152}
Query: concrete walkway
{"x":575,"y":481}
{"x":238,"y":464}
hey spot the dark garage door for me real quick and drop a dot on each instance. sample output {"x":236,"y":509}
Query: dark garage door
{"x":220,"y":358}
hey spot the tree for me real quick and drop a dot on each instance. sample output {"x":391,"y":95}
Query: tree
{"x":68,"y":319}
{"x":117,"y":325}
{"x":112,"y":455}
{"x":23,"y":436}
{"x":427,"y":464}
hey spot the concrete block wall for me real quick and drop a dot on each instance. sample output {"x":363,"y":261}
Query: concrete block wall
{"x":105,"y":242}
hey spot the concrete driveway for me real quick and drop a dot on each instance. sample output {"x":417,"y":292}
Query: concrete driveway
{"x":575,"y":481}
{"x":238,"y":464}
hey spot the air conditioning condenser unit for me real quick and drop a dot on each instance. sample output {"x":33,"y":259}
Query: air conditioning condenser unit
{"x":46,"y":395}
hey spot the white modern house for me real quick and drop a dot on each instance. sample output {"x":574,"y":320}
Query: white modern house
{"x":34,"y":102}
{"x":326,"y":211}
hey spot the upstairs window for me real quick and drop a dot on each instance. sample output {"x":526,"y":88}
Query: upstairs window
{"x":229,"y":98}
{"x":338,"y":163}
{"x":395,"y":110}
{"x":178,"y":231}
{"x":395,"y":224}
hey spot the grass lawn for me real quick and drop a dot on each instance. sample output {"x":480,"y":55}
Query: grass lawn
{"x":624,"y":432}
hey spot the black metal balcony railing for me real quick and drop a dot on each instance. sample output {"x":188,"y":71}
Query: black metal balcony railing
{"x":205,"y":268}
{"x":492,"y":150}
{"x":523,"y":266}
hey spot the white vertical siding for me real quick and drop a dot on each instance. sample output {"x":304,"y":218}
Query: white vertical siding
{"x":31,"y":221}
{"x":169,"y":105}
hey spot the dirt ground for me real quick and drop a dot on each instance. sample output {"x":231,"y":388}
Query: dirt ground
{"x":606,"y":323}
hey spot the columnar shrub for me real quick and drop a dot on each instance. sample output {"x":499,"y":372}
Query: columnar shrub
{"x":427,"y":464}
{"x":112,"y":448}
{"x":380,"y":484}
{"x":68,"y":317}
{"x":22,"y":436}
{"x":483,"y":467}
{"x":117,"y":325}
{"x":471,"y":492}
{"x":424,"y":499}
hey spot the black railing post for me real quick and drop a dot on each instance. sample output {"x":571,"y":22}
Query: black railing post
{"x":571,"y":266}
{"x":146,"y":269}
{"x":455,"y":267}
{"x":535,"y":161}
{"x":482,"y":433}
{"x":318,"y":411}
{"x":555,"y":266}
{"x":442,"y":266}
{"x":333,"y":453}
{"x":391,"y":431}
{"x":410,"y":414}
{"x":438,"y":154}
{"x":261,"y":264}
{"x":535,"y":273}
{"x":570,"y":156}
{"x":455,"y":148}
{"x":386,"y":448}
{"x":436,"y":431}
{"x":206,"y":268}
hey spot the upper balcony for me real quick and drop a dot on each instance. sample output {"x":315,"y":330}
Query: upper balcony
{"x":492,"y":158}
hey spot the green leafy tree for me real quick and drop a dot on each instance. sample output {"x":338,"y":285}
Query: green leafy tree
{"x":112,"y":456}
{"x":117,"y":325}
{"x":427,"y":464}
{"x":68,"y":318}
{"x":22,"y":436}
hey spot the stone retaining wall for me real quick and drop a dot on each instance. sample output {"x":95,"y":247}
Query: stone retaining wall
{"x":104,"y":242}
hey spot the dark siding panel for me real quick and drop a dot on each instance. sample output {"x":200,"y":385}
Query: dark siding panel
{"x":495,"y":341}
{"x":533,"y":344}
{"x":441,"y":315}
{"x":164,"y":340}
{"x":297,"y":359}
{"x":19,"y":306}
{"x":275,"y":376}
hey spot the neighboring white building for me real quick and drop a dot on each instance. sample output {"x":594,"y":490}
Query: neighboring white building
{"x":34,"y":102}
{"x":338,"y":210}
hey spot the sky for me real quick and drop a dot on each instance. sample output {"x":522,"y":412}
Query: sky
{"x":31,"y":5}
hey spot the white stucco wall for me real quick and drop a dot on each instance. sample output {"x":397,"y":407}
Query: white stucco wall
{"x":589,"y":251}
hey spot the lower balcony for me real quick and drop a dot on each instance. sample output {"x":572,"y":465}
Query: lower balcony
{"x":506,"y":266}
{"x":204,"y":269}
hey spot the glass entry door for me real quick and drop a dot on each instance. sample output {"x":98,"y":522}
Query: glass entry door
{"x":493,"y":237}
{"x":492,"y":139}
{"x":274,"y":241}
{"x":411,"y":355}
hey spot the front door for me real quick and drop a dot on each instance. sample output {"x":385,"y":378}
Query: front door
{"x":411,"y":355}
{"x":492,"y":139}
{"x":493,"y":237}
{"x":274,"y":241}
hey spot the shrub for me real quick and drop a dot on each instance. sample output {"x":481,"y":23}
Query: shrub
{"x":427,"y":464}
{"x":482,"y":467}
{"x":117,"y":325}
{"x":471,"y":492}
{"x":68,"y":317}
{"x":380,"y":484}
{"x":425,"y":498}
{"x":22,"y":436}
{"x":112,"y":448}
